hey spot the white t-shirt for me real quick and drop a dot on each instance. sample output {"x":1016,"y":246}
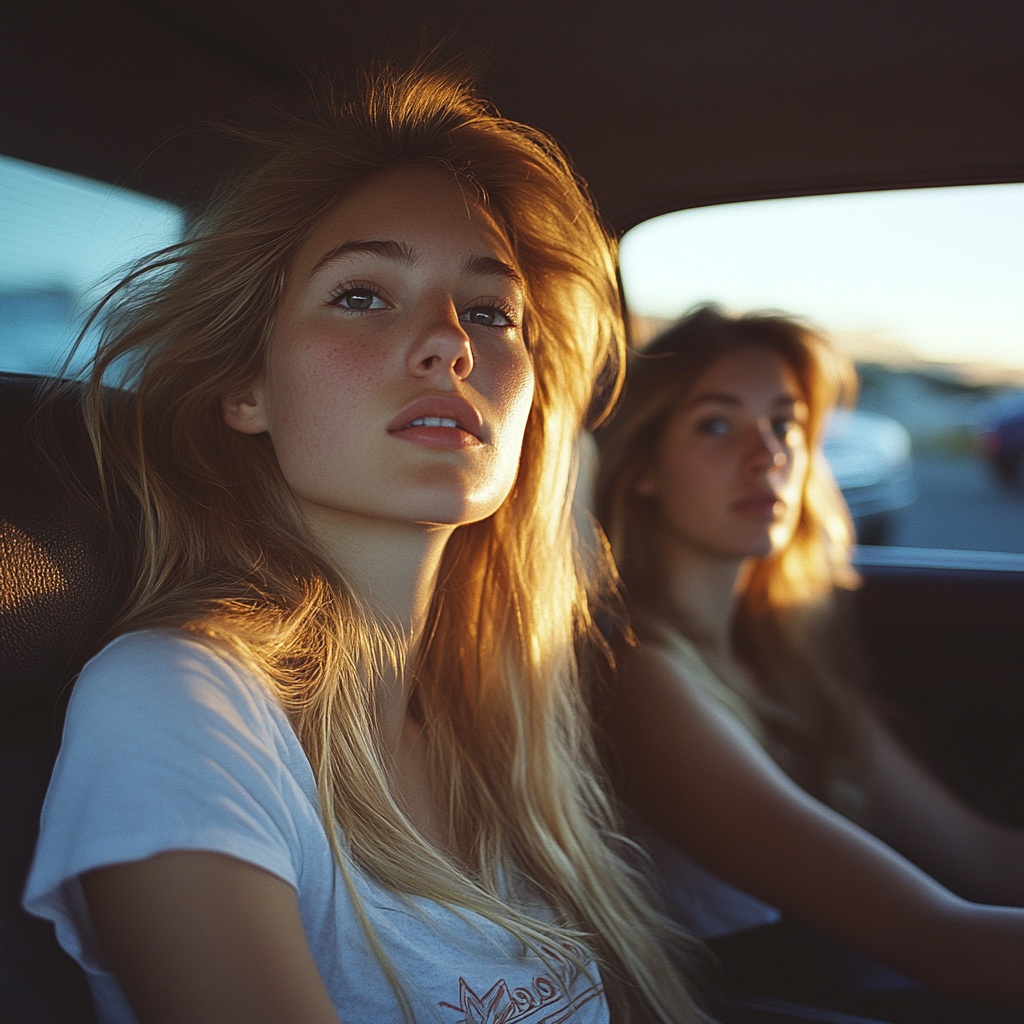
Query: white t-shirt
{"x":169,"y":745}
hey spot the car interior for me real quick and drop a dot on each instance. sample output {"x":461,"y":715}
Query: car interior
{"x":664,"y":105}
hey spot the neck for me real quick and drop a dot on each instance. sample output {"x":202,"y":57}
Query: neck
{"x":392,"y":569}
{"x":702,"y":591}
{"x":391,"y":566}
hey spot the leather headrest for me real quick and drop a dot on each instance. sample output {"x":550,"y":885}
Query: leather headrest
{"x":63,"y":568}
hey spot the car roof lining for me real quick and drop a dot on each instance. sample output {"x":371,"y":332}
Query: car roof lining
{"x":687,"y":103}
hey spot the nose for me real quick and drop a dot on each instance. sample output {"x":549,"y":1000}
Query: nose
{"x":442,"y":346}
{"x":767,"y":450}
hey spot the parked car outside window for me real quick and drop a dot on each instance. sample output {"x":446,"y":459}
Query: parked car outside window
{"x":1002,"y":438}
{"x":872,"y":460}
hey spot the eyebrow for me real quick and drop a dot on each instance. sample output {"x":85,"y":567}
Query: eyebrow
{"x":724,"y":398}
{"x":388,"y":250}
{"x":491,"y":266}
{"x":399,"y":252}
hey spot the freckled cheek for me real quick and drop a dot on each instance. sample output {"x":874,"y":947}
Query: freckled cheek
{"x":317,"y":387}
{"x":339,"y":357}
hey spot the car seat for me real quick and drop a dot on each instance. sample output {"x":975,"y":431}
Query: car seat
{"x":63,"y":575}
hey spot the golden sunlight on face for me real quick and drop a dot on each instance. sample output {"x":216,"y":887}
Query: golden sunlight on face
{"x":398,"y":383}
{"x":730,"y":466}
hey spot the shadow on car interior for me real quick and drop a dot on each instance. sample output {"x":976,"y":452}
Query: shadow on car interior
{"x":664,"y":106}
{"x":63,"y":576}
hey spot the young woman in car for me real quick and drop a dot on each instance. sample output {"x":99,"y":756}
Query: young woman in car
{"x":336,"y":764}
{"x":735,"y":724}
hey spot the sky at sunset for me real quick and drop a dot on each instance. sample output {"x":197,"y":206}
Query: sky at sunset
{"x":937,"y":271}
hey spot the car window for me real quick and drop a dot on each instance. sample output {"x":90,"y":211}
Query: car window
{"x":64,"y":239}
{"x":922,"y":288}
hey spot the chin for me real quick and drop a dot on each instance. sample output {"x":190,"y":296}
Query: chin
{"x":760,"y":546}
{"x":454,"y":501}
{"x":456,"y":514}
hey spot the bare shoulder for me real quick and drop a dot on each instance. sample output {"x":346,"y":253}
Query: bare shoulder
{"x":656,"y":665}
{"x":674,"y":678}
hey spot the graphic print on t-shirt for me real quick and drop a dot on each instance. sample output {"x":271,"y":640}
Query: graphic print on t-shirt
{"x":549,"y":1000}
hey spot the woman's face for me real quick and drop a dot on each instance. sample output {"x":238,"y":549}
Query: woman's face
{"x":729,"y":470}
{"x":398,"y":383}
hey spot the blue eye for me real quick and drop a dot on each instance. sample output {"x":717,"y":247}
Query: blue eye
{"x":715,"y":426}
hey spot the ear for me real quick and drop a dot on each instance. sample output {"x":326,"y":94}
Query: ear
{"x":246,"y":412}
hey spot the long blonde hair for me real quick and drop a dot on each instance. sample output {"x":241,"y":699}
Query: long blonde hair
{"x":789,"y":625}
{"x":224,"y":551}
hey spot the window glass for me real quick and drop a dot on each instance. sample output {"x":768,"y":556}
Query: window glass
{"x":64,"y":239}
{"x":923,"y":289}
